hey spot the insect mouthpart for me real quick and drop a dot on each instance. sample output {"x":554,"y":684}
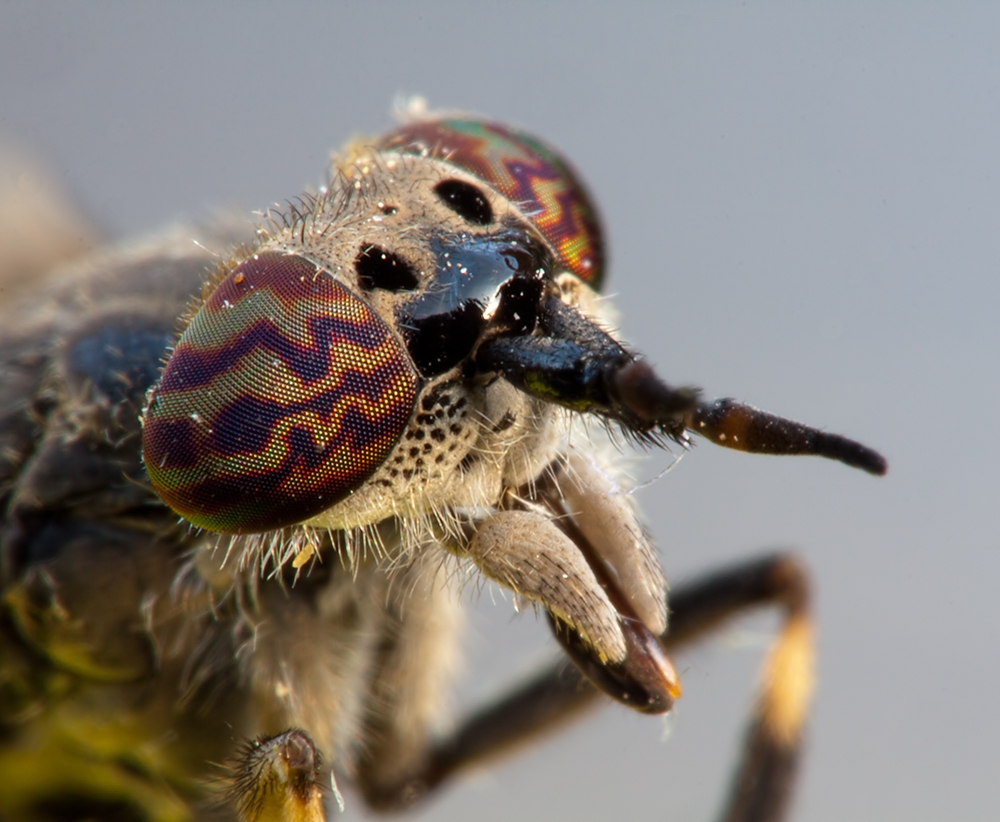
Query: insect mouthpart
{"x":645,"y":679}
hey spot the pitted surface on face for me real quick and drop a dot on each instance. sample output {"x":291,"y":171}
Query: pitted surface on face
{"x":437,"y":259}
{"x":463,"y":447}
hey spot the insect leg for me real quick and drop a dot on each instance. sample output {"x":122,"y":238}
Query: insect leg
{"x":277,"y":779}
{"x":764,"y":780}
{"x":415,"y":657}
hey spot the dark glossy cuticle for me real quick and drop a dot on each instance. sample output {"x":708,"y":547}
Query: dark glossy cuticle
{"x":465,"y":200}
{"x":379,"y":268}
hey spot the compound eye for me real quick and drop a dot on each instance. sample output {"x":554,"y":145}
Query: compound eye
{"x":467,"y":201}
{"x":281,"y":397}
{"x":536,"y":180}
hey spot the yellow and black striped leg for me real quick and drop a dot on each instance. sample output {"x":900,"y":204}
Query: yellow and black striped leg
{"x":765,"y":777}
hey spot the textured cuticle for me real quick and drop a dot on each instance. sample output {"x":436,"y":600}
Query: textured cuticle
{"x":283,"y":394}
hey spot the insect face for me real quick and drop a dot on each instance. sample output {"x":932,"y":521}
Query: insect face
{"x":404,"y":349}
{"x":396,"y":364}
{"x":349,"y":371}
{"x":316,"y":366}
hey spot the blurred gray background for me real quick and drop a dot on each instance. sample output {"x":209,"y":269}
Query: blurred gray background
{"x":803,"y":210}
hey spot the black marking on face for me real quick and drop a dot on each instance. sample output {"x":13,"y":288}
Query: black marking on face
{"x":438,"y":343}
{"x":479,"y":282}
{"x":506,"y":421}
{"x":380,"y":268}
{"x":466,"y":200}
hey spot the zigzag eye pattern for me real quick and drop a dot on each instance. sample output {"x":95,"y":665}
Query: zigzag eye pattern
{"x":282,"y":396}
{"x":527,"y":172}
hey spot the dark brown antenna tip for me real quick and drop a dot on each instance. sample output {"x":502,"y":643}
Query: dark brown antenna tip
{"x":736,"y":425}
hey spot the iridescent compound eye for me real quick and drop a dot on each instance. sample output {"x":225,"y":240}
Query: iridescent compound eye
{"x":525,"y":170}
{"x":281,"y":397}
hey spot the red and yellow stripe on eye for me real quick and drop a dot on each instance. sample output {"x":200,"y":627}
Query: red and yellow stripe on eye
{"x":527,"y":172}
{"x":281,"y":397}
